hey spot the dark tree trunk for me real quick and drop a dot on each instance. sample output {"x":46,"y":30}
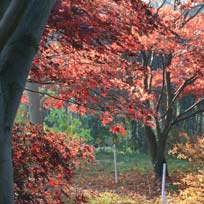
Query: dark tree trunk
{"x":160,"y":160}
{"x":6,"y":173}
{"x":3,"y":6}
{"x":156,"y":151}
{"x":16,"y":57}
{"x":152,"y":144}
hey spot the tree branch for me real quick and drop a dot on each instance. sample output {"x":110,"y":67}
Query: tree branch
{"x":150,"y":78}
{"x":162,"y":4}
{"x":182,"y":116}
{"x":162,"y":90}
{"x":192,"y":107}
{"x":186,"y":20}
{"x":187,"y":117}
{"x":166,"y":61}
{"x":179,"y":90}
{"x":72,"y":101}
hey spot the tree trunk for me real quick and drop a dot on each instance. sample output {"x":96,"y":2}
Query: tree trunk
{"x":152,"y":144}
{"x":6,"y":173}
{"x":157,"y":151}
{"x":160,"y":160}
{"x":35,"y":106}
{"x":3,"y":6}
{"x":15,"y":60}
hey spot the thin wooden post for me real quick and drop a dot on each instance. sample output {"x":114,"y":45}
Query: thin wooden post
{"x":115,"y":164}
{"x":164,"y":198}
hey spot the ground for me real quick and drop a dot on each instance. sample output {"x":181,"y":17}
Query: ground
{"x":137,"y":183}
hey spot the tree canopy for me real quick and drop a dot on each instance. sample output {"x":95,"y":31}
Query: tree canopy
{"x":103,"y":59}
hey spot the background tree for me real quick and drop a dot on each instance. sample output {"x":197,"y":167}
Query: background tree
{"x":35,"y":107}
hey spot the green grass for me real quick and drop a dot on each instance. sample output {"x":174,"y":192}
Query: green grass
{"x":125,"y":161}
{"x":176,"y":165}
{"x":132,"y":162}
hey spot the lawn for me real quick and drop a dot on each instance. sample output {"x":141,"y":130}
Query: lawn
{"x":136,"y":184}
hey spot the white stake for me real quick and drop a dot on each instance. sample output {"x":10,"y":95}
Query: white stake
{"x":115,"y":164}
{"x":164,"y":199}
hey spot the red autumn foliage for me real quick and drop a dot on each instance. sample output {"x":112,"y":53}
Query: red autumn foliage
{"x":44,"y":164}
{"x":129,"y":59}
{"x":90,"y":51}
{"x":118,"y":129}
{"x":81,"y":54}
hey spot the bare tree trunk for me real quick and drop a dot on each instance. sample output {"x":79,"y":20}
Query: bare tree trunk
{"x":156,"y":151}
{"x":152,"y":143}
{"x":3,"y":7}
{"x":35,"y":106}
{"x":160,"y":159}
{"x":15,"y":60}
{"x":6,"y":173}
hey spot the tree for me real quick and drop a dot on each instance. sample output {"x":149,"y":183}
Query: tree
{"x":20,"y":34}
{"x":35,"y":108}
{"x":181,"y":66}
{"x":95,"y":40}
{"x":136,"y":66}
{"x":21,"y":26}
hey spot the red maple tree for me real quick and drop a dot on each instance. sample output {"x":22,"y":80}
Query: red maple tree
{"x":126,"y":60}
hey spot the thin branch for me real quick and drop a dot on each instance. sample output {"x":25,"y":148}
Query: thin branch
{"x":182,"y":116}
{"x":187,"y":117}
{"x":182,"y":86}
{"x":192,"y":16}
{"x":149,"y":3}
{"x":46,"y":94}
{"x":169,"y":96}
{"x":192,"y":107}
{"x":166,"y":63}
{"x":151,"y":76}
{"x":178,"y":92}
{"x":162,"y":4}
{"x":45,"y":82}
{"x":162,"y":90}
{"x":175,"y":4}
{"x":59,"y":98}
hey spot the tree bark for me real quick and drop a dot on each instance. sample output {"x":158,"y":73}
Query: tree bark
{"x":35,"y":106}
{"x":10,"y":19}
{"x":160,"y":160}
{"x":3,"y":7}
{"x":15,"y":60}
{"x":152,"y":143}
{"x":157,"y":151}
